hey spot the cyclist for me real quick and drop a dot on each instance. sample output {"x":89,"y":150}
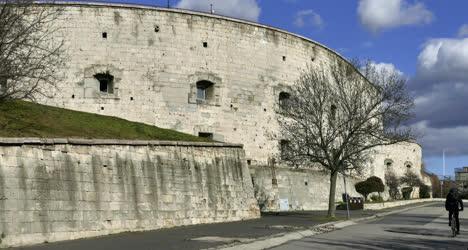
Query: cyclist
{"x":453,"y":204}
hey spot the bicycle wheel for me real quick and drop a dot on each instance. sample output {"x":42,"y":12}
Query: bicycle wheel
{"x":454,"y":226}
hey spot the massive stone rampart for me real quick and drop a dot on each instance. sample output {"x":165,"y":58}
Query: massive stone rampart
{"x":61,"y":189}
{"x":193,"y":72}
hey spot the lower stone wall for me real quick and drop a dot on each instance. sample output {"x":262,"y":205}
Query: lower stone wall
{"x":54,"y":190}
{"x":288,"y":189}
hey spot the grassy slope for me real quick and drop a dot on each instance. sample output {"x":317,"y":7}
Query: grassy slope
{"x":26,"y":119}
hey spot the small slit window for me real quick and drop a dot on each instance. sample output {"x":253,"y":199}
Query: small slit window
{"x":283,"y":99}
{"x":284,"y":149}
{"x":205,"y":135}
{"x":106,"y":82}
{"x":205,"y":90}
{"x":333,"y":109}
{"x":104,"y":35}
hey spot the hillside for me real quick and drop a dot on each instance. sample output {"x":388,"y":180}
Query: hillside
{"x":26,"y":119}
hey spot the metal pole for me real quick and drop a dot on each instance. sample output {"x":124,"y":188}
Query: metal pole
{"x":211,"y":8}
{"x":346,"y":194}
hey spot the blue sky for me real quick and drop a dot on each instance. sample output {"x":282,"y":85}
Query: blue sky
{"x":426,"y":40}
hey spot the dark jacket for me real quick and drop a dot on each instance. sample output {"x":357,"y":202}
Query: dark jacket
{"x":453,"y":203}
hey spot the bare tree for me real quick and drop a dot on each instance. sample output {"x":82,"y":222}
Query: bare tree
{"x":30,"y":48}
{"x":392,"y":183}
{"x":412,"y":180}
{"x":333,"y":119}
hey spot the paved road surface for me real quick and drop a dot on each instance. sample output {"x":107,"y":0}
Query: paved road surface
{"x":421,"y":228}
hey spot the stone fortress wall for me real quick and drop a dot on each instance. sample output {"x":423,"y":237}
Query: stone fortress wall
{"x":59,"y":189}
{"x":152,"y":60}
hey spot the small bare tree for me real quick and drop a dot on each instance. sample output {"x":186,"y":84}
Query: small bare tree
{"x":392,"y":182}
{"x":412,"y":180}
{"x":30,"y":51}
{"x":334,"y":118}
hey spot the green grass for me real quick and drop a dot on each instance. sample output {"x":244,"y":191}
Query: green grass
{"x":26,"y":119}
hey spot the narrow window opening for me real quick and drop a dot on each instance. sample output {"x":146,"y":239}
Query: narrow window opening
{"x":205,"y":90}
{"x":102,"y":108}
{"x":104,"y":35}
{"x":283,"y":99}
{"x":249,"y":162}
{"x":73,"y":96}
{"x":284,"y":58}
{"x":131,"y":98}
{"x":156,"y":29}
{"x":284,"y":149}
{"x":3,"y":85}
{"x":106,"y":82}
{"x":333,"y":112}
{"x":205,"y":44}
{"x":306,"y":183}
{"x":205,"y":135}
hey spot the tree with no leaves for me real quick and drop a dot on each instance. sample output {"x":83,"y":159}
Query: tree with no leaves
{"x":392,"y":182}
{"x":30,"y":51}
{"x":334,"y":118}
{"x":411,"y":180}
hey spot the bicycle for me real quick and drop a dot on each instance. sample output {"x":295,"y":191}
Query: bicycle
{"x":453,"y":225}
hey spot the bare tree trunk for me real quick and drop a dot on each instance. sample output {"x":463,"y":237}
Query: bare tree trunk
{"x":331,"y":199}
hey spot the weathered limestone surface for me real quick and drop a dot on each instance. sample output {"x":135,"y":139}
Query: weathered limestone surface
{"x":157,"y":55}
{"x":301,"y":189}
{"x":61,"y":189}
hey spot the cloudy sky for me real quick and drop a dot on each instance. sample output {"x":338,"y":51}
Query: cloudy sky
{"x":425,"y":40}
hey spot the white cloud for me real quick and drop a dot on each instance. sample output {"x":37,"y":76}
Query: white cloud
{"x":377,"y":15}
{"x":308,"y":17}
{"x":463,"y":31}
{"x":443,"y":60}
{"x":243,"y":9}
{"x":386,"y":67}
{"x":453,"y":139}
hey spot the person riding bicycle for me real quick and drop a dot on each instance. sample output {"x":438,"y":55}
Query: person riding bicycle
{"x":453,"y":204}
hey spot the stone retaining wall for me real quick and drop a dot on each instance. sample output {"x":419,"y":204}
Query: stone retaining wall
{"x":61,"y":189}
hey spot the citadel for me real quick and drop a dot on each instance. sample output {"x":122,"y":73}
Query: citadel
{"x":205,"y":75}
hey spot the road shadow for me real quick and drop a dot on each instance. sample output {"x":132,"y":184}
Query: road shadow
{"x":379,"y":243}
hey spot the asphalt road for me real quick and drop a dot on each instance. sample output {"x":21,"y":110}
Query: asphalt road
{"x":420,"y":228}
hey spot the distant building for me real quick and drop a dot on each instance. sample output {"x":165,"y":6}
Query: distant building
{"x":461,"y":177}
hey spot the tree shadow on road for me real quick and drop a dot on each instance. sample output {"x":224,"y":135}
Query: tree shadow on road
{"x":379,"y":243}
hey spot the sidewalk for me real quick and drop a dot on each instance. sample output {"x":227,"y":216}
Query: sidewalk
{"x":212,"y":235}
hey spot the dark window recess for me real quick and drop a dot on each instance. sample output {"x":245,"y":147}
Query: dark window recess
{"x":333,"y":112}
{"x":131,"y":98}
{"x":104,"y":35}
{"x":206,"y":135}
{"x":73,"y":96}
{"x":283,"y":99}
{"x":205,"y":45}
{"x":284,"y":58}
{"x":274,"y":181}
{"x":205,"y":90}
{"x":408,"y":166}
{"x":156,"y":28}
{"x":249,"y":162}
{"x":284,"y":149}
{"x":106,"y":82}
{"x":102,"y":108}
{"x":306,"y":183}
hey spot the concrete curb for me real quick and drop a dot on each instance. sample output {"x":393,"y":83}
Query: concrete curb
{"x":279,"y":239}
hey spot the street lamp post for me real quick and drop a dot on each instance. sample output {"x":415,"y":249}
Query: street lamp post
{"x":346,"y":195}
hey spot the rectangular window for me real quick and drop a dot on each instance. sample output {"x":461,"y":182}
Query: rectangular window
{"x":206,"y":135}
{"x":201,"y":93}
